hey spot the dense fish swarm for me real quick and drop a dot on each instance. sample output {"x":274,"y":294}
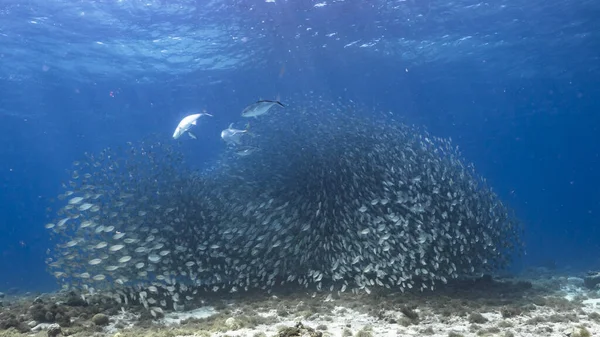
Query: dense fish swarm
{"x":326,"y":199}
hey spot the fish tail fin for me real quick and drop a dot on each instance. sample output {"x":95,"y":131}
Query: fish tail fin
{"x":247,"y":130}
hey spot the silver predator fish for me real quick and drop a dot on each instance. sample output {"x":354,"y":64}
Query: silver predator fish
{"x":186,"y":123}
{"x":233,"y":136}
{"x":260,"y":108}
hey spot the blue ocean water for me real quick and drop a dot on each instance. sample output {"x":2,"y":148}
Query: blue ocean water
{"x":513,"y":83}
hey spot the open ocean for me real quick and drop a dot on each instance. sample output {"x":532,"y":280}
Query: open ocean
{"x":514,"y":84}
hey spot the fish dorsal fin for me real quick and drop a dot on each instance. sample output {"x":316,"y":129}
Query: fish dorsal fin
{"x":230,"y":126}
{"x":271,"y":101}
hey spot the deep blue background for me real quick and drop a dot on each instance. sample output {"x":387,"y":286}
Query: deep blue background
{"x":534,"y":138}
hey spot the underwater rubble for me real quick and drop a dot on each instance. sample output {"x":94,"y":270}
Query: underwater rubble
{"x":482,"y":306}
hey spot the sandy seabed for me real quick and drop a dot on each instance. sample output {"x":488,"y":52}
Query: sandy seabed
{"x":541,"y":305}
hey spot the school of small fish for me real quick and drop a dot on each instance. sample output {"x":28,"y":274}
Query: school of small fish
{"x":333,"y":201}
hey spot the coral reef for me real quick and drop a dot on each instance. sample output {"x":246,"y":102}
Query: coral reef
{"x":591,"y":280}
{"x":469,"y":308}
